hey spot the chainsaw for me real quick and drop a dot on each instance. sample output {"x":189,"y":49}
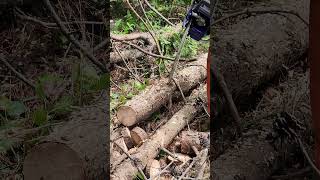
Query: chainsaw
{"x":198,"y":18}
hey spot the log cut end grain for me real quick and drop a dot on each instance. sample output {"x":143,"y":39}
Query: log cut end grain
{"x":52,"y":161}
{"x":153,"y":168}
{"x":126,"y":116}
{"x":138,"y":135}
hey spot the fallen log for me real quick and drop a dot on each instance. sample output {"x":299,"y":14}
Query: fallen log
{"x":162,"y":138}
{"x":143,"y":105}
{"x":127,"y":54}
{"x":74,"y":150}
{"x":131,"y":53}
{"x":254,"y":156}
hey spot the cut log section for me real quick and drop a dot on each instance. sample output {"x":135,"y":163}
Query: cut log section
{"x":154,"y":97}
{"x":138,"y":135}
{"x":74,"y":150}
{"x":153,"y":169}
{"x":150,"y":148}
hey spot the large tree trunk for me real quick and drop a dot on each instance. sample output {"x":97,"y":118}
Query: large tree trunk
{"x":255,"y":49}
{"x":162,"y":137}
{"x":255,"y":157}
{"x":250,"y":53}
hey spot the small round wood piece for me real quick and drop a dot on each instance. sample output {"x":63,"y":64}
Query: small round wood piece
{"x":138,"y":135}
{"x":153,"y":168}
{"x":126,"y":116}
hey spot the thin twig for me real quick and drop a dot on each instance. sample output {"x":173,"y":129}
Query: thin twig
{"x":124,"y":61}
{"x":145,"y":15}
{"x":133,"y":160}
{"x":180,"y":89}
{"x":303,"y":149}
{"x":169,"y":153}
{"x":152,"y":54}
{"x":188,"y":168}
{"x":145,"y":24}
{"x":162,"y":170}
{"x":177,"y":58}
{"x":228,"y":96}
{"x":54,"y":25}
{"x":73,"y":39}
{"x":19,"y":75}
{"x":157,"y":12}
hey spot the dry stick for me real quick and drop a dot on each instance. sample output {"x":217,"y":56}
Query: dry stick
{"x":200,"y":173}
{"x":157,"y":12}
{"x":152,"y":54}
{"x":249,"y":12}
{"x":126,"y":64}
{"x":176,"y":60}
{"x":188,"y":168}
{"x":303,"y":149}
{"x":19,"y":75}
{"x":167,"y":166}
{"x":227,"y":94}
{"x":72,"y":39}
{"x":145,"y":15}
{"x":169,"y":153}
{"x":54,"y":25}
{"x":130,"y":157}
{"x":145,"y":24}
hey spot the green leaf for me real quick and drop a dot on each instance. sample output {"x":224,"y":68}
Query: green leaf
{"x":139,"y":86}
{"x":16,"y":108}
{"x":129,"y":95}
{"x":45,"y":84}
{"x":63,"y":106}
{"x":139,"y":176}
{"x":12,"y":108}
{"x":114,"y":96}
{"x":102,"y":83}
{"x":122,"y":99}
{"x":40,"y":117}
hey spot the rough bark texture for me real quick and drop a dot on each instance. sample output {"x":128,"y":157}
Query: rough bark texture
{"x":127,"y":55}
{"x":142,"y":106}
{"x":162,"y":138}
{"x":249,"y":53}
{"x":83,"y":137}
{"x":253,"y":50}
{"x":254,"y":157}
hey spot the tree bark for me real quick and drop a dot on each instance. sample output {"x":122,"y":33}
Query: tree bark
{"x":254,"y":156}
{"x":255,"y":49}
{"x":74,"y":150}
